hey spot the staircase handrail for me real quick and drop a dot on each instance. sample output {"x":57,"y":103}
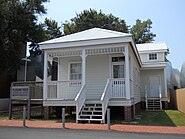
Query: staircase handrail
{"x":146,"y":97}
{"x":105,"y":99}
{"x":80,"y":100}
{"x":160,"y":96}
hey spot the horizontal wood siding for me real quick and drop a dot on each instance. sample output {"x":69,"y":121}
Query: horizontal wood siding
{"x":64,"y":65}
{"x":97,"y":73}
{"x":134,"y":77}
{"x":63,"y":72}
{"x":145,"y":80}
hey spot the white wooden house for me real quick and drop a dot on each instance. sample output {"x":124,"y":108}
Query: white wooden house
{"x":153,"y":74}
{"x":99,"y":68}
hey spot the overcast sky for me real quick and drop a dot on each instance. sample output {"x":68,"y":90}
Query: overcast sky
{"x":168,"y":17}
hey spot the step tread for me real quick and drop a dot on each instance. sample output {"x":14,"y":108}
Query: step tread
{"x":91,"y":111}
{"x":79,"y":119}
{"x":90,"y":115}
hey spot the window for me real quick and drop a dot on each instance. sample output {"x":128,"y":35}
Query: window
{"x":75,"y":71}
{"x":153,"y":56}
{"x":118,"y":59}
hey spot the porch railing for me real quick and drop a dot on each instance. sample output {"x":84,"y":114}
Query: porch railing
{"x":63,"y":89}
{"x":35,"y":88}
{"x":117,"y":87}
{"x":105,"y":99}
{"x":80,"y":100}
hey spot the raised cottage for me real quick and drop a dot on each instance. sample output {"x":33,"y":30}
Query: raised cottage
{"x":99,"y":68}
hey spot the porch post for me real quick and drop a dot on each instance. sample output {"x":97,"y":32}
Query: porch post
{"x":45,"y":86}
{"x":127,"y":80}
{"x":165,"y":83}
{"x":83,"y":66}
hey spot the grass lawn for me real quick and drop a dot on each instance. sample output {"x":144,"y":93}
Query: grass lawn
{"x":161,"y":118}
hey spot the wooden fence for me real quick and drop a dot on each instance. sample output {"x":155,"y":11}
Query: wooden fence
{"x":177,"y":99}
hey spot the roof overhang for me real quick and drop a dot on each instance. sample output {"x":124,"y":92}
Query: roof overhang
{"x":159,"y":65}
{"x":82,"y":43}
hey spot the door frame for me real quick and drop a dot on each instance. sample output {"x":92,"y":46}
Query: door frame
{"x":159,"y":77}
{"x":115,"y":63}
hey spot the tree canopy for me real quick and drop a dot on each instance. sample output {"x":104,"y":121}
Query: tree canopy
{"x":18,"y":25}
{"x":141,"y":31}
{"x":88,"y":19}
{"x":48,"y":30}
{"x":91,"y":18}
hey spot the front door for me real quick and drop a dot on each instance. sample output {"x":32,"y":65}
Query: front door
{"x":118,"y":83}
{"x":118,"y":70}
{"x":154,"y":86}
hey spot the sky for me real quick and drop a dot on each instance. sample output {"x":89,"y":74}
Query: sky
{"x":168,"y":17}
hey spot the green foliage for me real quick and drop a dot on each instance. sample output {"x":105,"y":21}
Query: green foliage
{"x":18,"y":24}
{"x":141,"y":31}
{"x":91,"y":18}
{"x":52,"y":28}
{"x":45,"y":31}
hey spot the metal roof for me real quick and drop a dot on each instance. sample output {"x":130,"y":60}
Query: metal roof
{"x":90,"y":34}
{"x":156,"y":46}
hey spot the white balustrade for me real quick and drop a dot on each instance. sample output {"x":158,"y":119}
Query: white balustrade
{"x":105,"y":99}
{"x":63,"y":89}
{"x":80,"y":100}
{"x":118,"y":88}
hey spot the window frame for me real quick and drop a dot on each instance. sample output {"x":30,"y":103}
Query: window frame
{"x":69,"y":70}
{"x":152,"y":56}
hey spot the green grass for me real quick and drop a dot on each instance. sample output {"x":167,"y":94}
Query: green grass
{"x":161,"y":118}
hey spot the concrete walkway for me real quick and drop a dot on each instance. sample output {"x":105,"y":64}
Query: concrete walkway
{"x":116,"y":127}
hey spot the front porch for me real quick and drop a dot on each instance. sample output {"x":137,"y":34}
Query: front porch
{"x":87,"y":75}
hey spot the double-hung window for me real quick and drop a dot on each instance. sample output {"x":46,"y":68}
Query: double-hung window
{"x":75,"y":71}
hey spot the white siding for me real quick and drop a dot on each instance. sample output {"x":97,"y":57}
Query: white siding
{"x":135,"y":78}
{"x":97,"y":73}
{"x":145,"y":80}
{"x":63,"y":72}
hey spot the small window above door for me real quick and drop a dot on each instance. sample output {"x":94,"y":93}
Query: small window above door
{"x":118,"y":59}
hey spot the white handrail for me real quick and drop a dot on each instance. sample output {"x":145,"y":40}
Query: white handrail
{"x":105,"y":100}
{"x":160,"y":96}
{"x":146,"y":97}
{"x":80,"y":99}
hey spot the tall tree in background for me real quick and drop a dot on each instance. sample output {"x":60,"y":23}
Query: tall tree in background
{"x":88,"y":19}
{"x":46,"y":31}
{"x":141,"y":31}
{"x":18,"y":25}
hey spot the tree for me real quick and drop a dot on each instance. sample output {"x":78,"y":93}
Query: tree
{"x":46,"y":31}
{"x":18,"y":25}
{"x":52,"y":28}
{"x":91,"y":18}
{"x":141,"y":31}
